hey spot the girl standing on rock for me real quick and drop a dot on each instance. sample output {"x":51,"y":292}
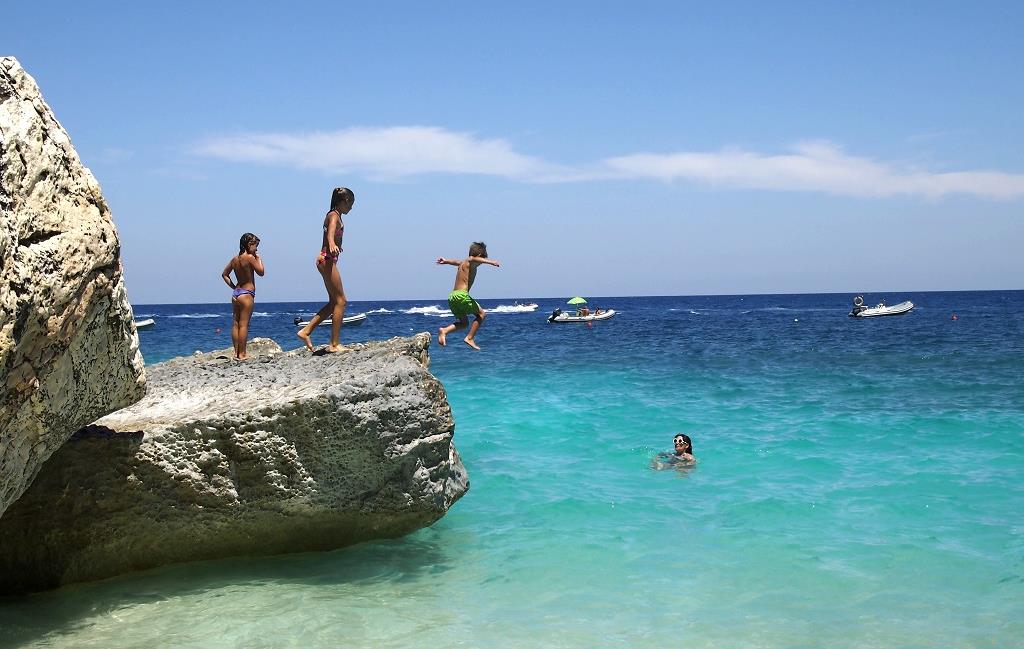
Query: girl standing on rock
{"x":243,"y":293}
{"x":342,"y":200}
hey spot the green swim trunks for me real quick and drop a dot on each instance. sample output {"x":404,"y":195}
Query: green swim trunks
{"x":462,"y":304}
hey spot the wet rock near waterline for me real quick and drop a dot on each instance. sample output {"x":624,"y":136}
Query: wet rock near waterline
{"x":284,"y":452}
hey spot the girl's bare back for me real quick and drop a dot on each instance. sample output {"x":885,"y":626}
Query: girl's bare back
{"x":242,"y":265}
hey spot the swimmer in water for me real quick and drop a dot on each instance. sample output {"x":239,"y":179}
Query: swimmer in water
{"x":682,"y":455}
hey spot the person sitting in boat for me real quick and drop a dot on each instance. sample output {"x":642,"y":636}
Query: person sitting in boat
{"x":582,"y":311}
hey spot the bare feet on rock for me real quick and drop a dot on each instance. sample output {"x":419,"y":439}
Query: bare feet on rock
{"x":334,"y":349}
{"x":304,"y":337}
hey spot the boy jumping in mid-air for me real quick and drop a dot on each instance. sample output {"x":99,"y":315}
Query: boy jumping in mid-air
{"x":459,"y":300}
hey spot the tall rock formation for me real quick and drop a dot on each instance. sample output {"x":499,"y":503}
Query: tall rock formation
{"x":286,"y":452}
{"x":69,"y":353}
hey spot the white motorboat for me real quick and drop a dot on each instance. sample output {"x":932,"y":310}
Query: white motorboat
{"x":514,"y":308}
{"x":144,"y":324}
{"x":557,"y":316}
{"x":326,"y":322}
{"x":862,"y":311}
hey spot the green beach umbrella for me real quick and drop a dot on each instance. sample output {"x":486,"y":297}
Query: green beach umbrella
{"x":577,"y":300}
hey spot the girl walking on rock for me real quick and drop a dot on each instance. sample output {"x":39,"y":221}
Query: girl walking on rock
{"x":342,"y":200}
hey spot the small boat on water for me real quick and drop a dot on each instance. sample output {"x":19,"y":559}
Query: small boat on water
{"x":860,"y":310}
{"x":583,"y":313}
{"x":347,"y":320}
{"x":514,"y":308}
{"x":557,"y":316}
{"x":144,"y":324}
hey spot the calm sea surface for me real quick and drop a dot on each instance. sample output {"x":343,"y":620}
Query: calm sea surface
{"x":860,"y":484}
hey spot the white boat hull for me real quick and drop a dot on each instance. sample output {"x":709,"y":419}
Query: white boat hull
{"x":144,"y":324}
{"x":513,"y":308}
{"x":896,"y":309}
{"x":565,"y":317}
{"x":347,"y":320}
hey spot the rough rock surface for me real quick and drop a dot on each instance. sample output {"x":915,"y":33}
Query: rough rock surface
{"x":69,"y":352}
{"x":285,"y":452}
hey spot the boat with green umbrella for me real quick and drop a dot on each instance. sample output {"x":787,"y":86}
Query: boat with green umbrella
{"x":583,"y":313}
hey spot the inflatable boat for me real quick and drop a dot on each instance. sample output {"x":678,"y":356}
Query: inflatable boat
{"x":558,"y":317}
{"x":862,"y":311}
{"x":144,"y":324}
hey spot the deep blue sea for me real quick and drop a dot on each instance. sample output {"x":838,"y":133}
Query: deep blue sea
{"x":860,"y":483}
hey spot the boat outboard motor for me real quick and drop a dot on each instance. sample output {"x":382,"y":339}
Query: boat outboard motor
{"x":858,"y":305}
{"x":554,"y":314}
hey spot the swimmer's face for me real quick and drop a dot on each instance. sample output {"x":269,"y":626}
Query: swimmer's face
{"x":681,"y":445}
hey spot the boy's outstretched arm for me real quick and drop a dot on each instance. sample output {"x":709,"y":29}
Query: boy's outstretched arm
{"x":450,"y":262}
{"x":485,"y":260}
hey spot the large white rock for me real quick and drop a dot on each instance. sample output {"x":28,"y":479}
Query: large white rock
{"x":286,"y":452}
{"x":69,"y":352}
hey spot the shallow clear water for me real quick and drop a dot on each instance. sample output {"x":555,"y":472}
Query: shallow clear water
{"x":859,"y":485}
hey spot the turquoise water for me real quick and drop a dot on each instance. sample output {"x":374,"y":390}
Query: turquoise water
{"x":859,"y":485}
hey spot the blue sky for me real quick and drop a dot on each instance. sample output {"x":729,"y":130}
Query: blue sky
{"x":599,"y":148}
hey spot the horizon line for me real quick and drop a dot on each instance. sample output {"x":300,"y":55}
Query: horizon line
{"x":600,"y":297}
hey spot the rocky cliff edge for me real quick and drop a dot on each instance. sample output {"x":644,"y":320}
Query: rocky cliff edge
{"x":285,"y":452}
{"x":69,"y":352}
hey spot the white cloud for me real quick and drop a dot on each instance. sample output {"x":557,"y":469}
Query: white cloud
{"x":813,"y":167}
{"x":401,"y":151}
{"x":392,"y":152}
